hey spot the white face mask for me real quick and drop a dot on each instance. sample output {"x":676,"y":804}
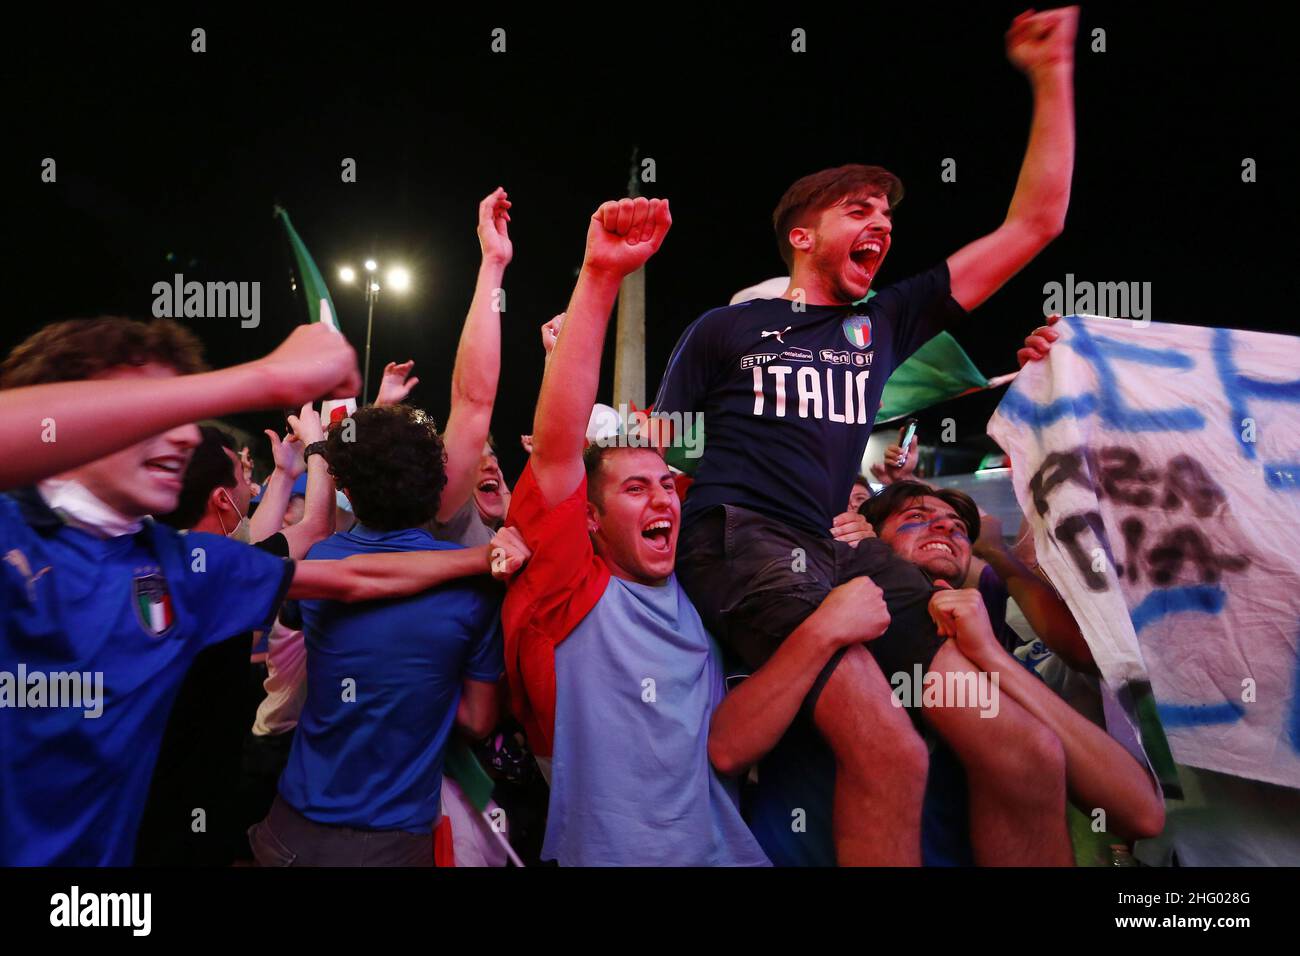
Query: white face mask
{"x":81,"y":509}
{"x":241,"y":531}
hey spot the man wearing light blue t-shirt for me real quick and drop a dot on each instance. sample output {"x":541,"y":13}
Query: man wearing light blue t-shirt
{"x":613,"y":674}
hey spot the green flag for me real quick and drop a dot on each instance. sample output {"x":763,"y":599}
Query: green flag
{"x":462,"y":766}
{"x":320,"y":307}
{"x":937,"y":371}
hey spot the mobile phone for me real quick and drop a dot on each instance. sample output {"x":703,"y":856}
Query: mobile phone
{"x":908,"y":434}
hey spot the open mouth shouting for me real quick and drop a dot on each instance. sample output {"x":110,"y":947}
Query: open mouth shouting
{"x":490,"y":496}
{"x":866,"y":255}
{"x":658,"y":534}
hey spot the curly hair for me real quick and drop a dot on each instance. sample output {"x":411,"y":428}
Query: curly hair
{"x":390,"y":461}
{"x":78,"y":349}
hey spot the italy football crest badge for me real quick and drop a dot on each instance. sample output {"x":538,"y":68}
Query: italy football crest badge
{"x":857,"y":329}
{"x":153,"y":604}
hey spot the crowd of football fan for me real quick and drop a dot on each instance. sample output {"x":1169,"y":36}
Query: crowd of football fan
{"x":384,"y":654}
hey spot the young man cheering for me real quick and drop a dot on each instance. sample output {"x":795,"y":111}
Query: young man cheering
{"x":611,"y":669}
{"x":789,"y":389}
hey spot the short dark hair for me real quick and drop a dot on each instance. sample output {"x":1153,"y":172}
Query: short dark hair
{"x":78,"y":349}
{"x":860,"y":480}
{"x":594,"y":455}
{"x":900,"y":494}
{"x":390,"y":461}
{"x":818,"y":191}
{"x":210,"y":467}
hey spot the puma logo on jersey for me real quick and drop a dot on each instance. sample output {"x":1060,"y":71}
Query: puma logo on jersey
{"x":18,"y":561}
{"x":778,"y":334}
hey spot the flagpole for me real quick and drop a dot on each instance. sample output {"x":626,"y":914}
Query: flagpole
{"x":372,"y":293}
{"x":370,"y":322}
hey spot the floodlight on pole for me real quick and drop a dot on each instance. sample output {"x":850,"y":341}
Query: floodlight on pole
{"x":399,"y":280}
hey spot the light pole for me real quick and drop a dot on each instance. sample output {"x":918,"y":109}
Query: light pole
{"x":399,"y":280}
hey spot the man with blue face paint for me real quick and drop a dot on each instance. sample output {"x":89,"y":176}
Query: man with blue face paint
{"x":1011,"y":756}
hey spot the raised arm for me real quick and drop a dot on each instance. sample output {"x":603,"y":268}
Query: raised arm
{"x":1042,"y":46}
{"x":622,"y":235}
{"x":96,"y":418}
{"x":318,"y":507}
{"x":478,"y":358}
{"x":278,"y":488}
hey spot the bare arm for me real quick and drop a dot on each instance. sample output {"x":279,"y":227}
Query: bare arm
{"x":96,"y":418}
{"x":317,"y":521}
{"x":478,"y":358}
{"x":370,"y":577}
{"x":1042,"y":45}
{"x":478,"y":709}
{"x":1046,"y":613}
{"x":269,"y":517}
{"x":621,"y":237}
{"x":751,"y":719}
{"x":1099,"y":772}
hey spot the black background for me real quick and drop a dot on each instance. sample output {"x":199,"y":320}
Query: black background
{"x":164,"y":151}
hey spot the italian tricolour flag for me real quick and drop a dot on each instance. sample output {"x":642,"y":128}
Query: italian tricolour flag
{"x":320,"y":308}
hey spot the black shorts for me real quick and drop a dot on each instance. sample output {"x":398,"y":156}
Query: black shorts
{"x":754,"y":580}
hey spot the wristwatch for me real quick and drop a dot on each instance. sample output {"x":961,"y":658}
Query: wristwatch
{"x":315,"y":448}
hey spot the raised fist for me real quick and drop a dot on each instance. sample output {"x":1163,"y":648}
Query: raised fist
{"x":1037,"y":41}
{"x":960,"y":614}
{"x":624,"y":234}
{"x":313,"y":362}
{"x":551,"y":333}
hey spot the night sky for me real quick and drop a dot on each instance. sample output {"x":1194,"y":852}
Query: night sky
{"x":162,"y":151}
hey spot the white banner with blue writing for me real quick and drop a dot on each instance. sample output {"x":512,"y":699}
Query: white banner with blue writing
{"x":1159,"y":466}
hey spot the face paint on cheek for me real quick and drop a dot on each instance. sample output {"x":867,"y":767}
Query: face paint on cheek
{"x":911,"y":527}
